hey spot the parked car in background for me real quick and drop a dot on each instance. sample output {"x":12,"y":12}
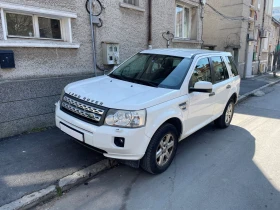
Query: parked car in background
{"x":141,"y":110}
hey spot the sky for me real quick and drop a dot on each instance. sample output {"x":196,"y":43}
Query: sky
{"x":276,"y":3}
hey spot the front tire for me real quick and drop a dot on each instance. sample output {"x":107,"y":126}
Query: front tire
{"x":161,"y":150}
{"x":225,"y":119}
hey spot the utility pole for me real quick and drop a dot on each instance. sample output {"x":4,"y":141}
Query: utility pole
{"x":276,"y":56}
{"x":262,"y":28}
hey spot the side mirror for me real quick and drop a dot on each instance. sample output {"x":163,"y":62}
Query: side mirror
{"x":202,"y":87}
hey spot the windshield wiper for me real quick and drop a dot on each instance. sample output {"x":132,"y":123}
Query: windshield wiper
{"x":144,"y":82}
{"x":129,"y":79}
{"x":116,"y":76}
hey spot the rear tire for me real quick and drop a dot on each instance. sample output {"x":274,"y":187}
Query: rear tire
{"x":161,"y":150}
{"x":225,"y":119}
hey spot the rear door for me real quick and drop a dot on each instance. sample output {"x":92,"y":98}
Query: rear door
{"x":233,"y":73}
{"x":221,"y":84}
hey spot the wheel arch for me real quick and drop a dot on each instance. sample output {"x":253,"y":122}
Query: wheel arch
{"x":234,"y":97}
{"x":177,"y":123}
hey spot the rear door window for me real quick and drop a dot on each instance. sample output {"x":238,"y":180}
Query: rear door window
{"x":232,"y":65}
{"x":220,"y":69}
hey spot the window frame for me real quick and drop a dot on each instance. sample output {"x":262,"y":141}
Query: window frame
{"x":230,"y":60}
{"x":213,"y":69}
{"x":190,"y":20}
{"x":36,"y":27}
{"x":136,"y":2}
{"x":66,"y":24}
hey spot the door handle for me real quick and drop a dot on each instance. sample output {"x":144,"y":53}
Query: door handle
{"x":212,"y":94}
{"x":229,"y":86}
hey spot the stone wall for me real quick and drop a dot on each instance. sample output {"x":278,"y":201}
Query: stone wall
{"x":29,"y":103}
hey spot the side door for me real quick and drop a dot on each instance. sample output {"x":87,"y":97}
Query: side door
{"x":234,"y":75}
{"x":221,"y":84}
{"x":200,"y":104}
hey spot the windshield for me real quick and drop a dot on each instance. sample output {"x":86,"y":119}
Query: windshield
{"x":154,"y":70}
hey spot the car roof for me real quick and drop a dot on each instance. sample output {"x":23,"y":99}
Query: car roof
{"x":187,"y":53}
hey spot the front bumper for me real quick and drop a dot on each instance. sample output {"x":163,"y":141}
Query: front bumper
{"x":102,"y":137}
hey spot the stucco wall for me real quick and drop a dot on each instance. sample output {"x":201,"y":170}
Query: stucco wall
{"x":218,"y":30}
{"x":226,"y":34}
{"x":38,"y":62}
{"x":29,"y":91}
{"x":229,"y":34}
{"x":164,"y":20}
{"x":125,"y":26}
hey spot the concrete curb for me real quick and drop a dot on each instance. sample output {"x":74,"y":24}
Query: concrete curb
{"x":247,"y":95}
{"x":63,"y":184}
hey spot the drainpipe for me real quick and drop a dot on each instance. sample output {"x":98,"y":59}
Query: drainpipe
{"x":264,"y":10}
{"x":276,"y":59}
{"x":93,"y":39}
{"x":150,"y":24}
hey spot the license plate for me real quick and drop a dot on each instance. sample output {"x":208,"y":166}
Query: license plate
{"x":72,"y":132}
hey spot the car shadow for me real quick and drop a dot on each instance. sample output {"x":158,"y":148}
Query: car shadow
{"x":213,"y":169}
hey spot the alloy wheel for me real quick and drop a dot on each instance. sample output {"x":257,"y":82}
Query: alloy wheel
{"x":229,"y":113}
{"x":165,"y":149}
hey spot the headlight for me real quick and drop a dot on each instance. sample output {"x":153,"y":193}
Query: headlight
{"x":129,"y":119}
{"x":61,"y":96}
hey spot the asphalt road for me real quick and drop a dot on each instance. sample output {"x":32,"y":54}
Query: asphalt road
{"x":235,"y":168}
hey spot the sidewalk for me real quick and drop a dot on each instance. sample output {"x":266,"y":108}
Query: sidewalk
{"x":35,"y":161}
{"x":248,"y":85}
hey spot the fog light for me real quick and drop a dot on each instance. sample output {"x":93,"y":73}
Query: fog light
{"x":119,"y":141}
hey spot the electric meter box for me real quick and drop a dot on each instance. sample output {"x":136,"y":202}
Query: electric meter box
{"x":7,"y":59}
{"x":111,"y":53}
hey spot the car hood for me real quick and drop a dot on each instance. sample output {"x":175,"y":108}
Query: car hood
{"x":118,"y":94}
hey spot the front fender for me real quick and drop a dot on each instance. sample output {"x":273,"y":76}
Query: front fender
{"x":159,"y":114}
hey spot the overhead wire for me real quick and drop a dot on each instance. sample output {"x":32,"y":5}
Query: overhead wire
{"x":238,"y":18}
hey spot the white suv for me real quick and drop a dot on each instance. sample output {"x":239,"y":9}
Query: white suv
{"x":141,"y":110}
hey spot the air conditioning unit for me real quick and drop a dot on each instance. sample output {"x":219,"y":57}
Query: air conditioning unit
{"x":263,"y":68}
{"x":263,"y":34}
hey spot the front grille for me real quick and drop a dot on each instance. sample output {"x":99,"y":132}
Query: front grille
{"x":83,"y":110}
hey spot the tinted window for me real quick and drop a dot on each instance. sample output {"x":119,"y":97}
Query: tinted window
{"x":201,"y":72}
{"x":232,"y":65}
{"x":220,"y":69}
{"x":154,"y":70}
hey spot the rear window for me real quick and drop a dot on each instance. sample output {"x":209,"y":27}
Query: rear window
{"x":220,"y":69}
{"x":232,"y":65}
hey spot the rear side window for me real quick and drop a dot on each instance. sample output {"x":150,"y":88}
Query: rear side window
{"x":202,"y":72}
{"x":220,"y":69}
{"x":232,"y":65}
